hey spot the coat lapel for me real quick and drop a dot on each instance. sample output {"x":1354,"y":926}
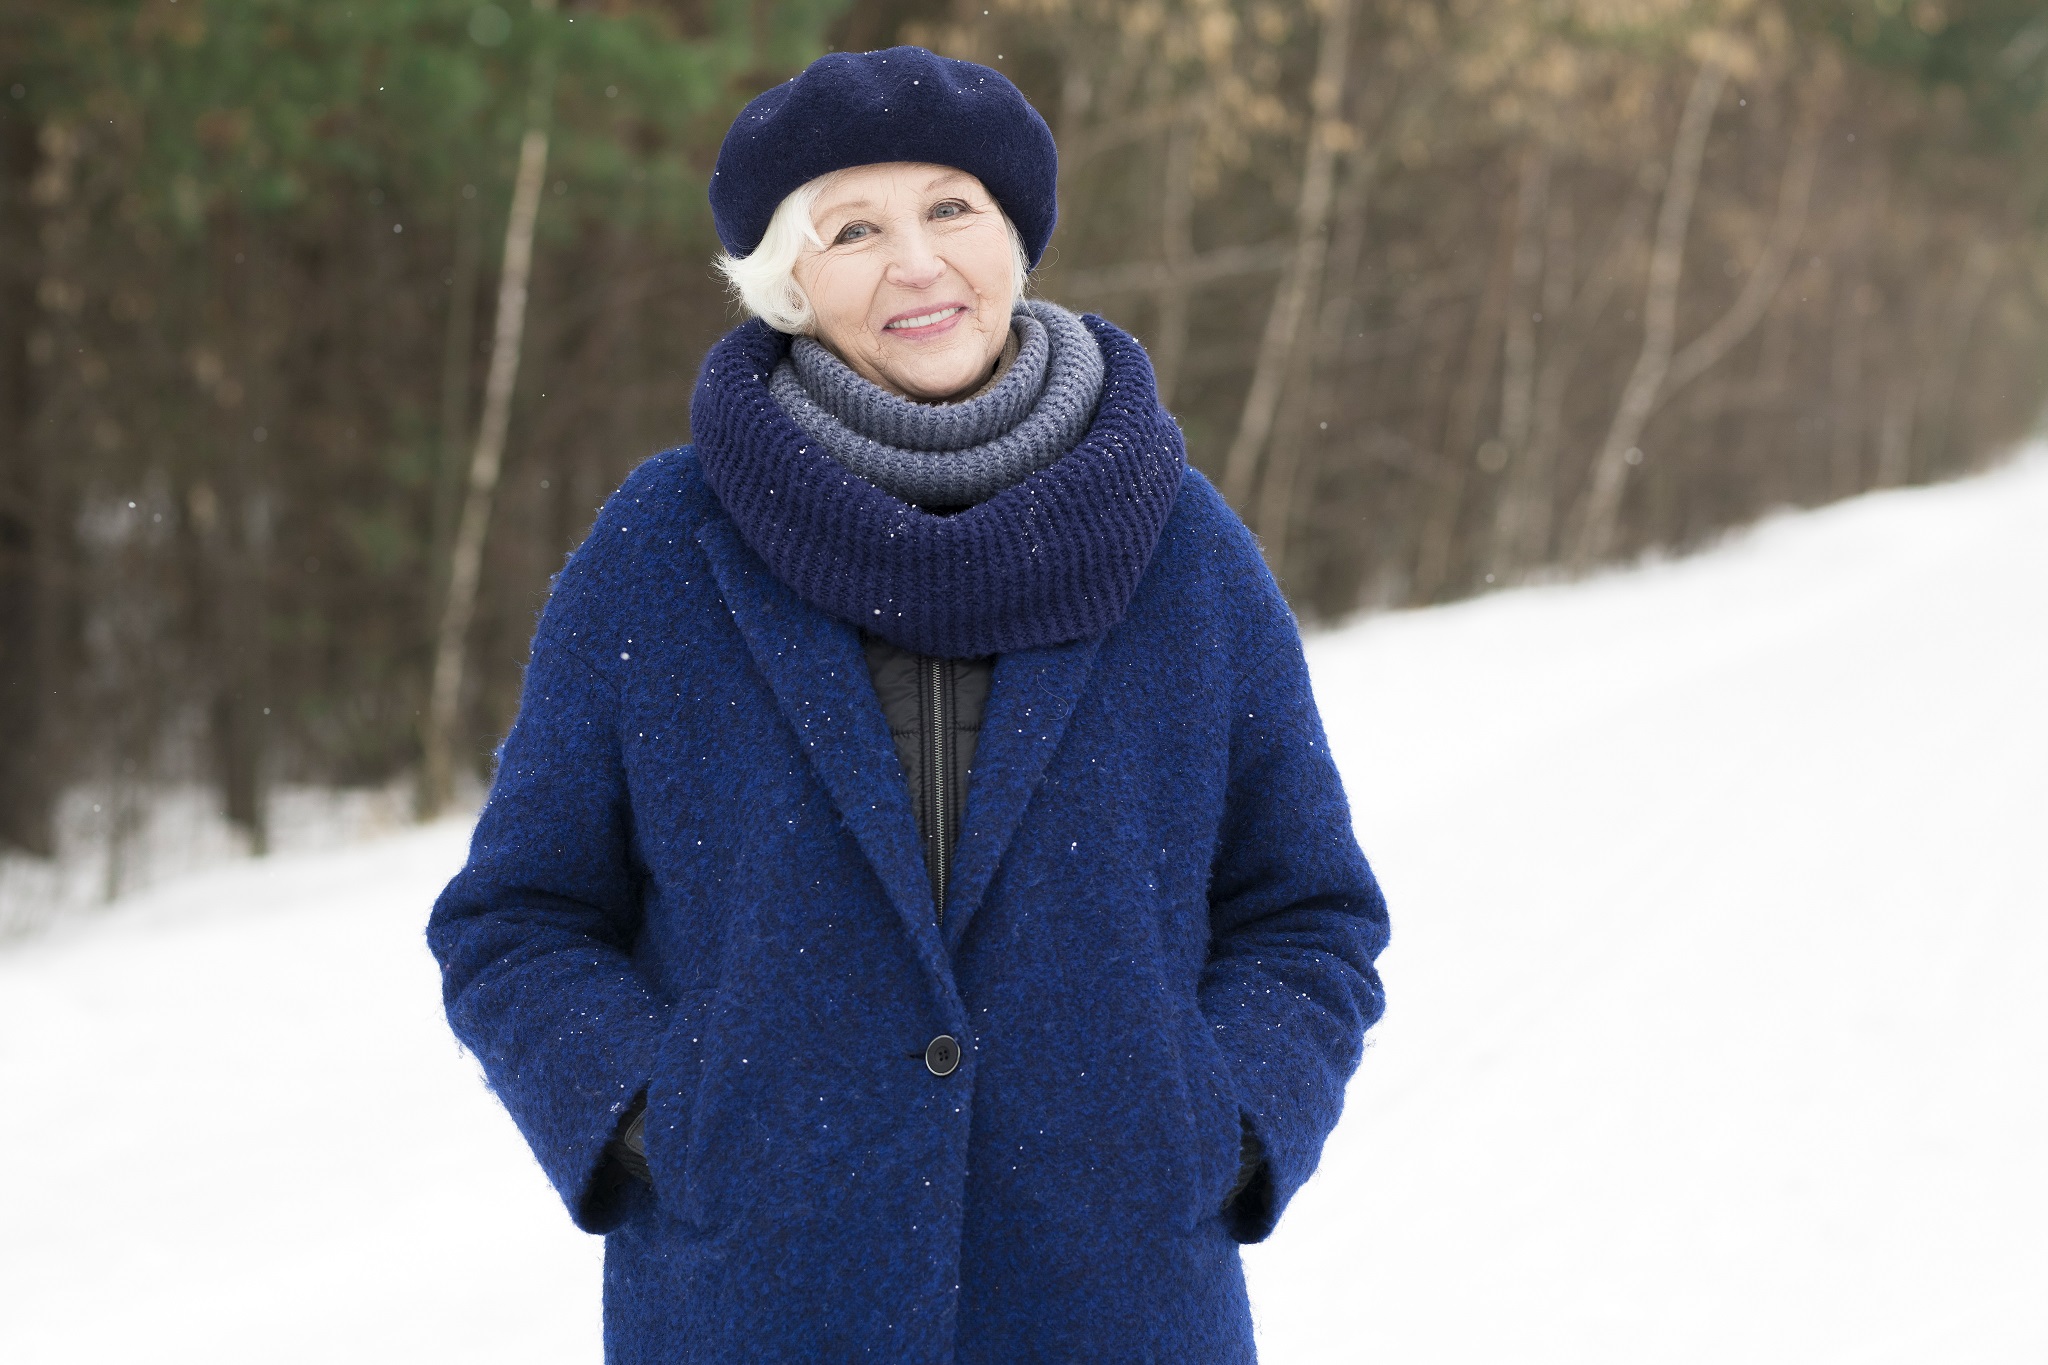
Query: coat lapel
{"x":1030,"y":701}
{"x":816,"y":668}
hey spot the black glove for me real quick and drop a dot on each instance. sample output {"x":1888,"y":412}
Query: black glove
{"x":629,"y":1148}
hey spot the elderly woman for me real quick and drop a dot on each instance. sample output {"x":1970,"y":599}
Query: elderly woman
{"x":916,"y":917}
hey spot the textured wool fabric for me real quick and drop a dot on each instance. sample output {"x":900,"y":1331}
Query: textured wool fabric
{"x":952,"y":454}
{"x":1004,"y":361}
{"x":1052,"y":559}
{"x":698,"y":876}
{"x":903,"y":104}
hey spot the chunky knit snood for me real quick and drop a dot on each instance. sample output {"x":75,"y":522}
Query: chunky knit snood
{"x":952,"y":454}
{"x":1050,"y":559}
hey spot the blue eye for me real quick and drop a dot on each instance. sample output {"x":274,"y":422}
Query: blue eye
{"x":852,"y":232}
{"x":951,"y":208}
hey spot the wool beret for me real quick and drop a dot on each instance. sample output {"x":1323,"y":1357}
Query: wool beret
{"x":901,"y":104}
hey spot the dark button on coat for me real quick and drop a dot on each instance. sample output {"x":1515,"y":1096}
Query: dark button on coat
{"x":698,"y":876}
{"x":942,"y":1055}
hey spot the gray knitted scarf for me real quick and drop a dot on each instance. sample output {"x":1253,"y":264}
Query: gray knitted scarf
{"x":947,"y":455}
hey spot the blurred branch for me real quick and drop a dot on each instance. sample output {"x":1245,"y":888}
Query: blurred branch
{"x":1327,"y":135}
{"x":1965,"y":300}
{"x":1794,"y":194}
{"x":1279,"y":490}
{"x":1207,"y":268}
{"x":1660,"y":319}
{"x":1461,"y":423}
{"x":1177,"y":249}
{"x":1080,"y":147}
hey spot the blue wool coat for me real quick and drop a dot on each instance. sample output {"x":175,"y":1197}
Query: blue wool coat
{"x":698,"y":876}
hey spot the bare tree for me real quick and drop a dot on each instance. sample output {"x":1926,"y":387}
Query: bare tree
{"x":1327,"y":136}
{"x":1518,"y":367}
{"x":1965,"y":299}
{"x":1795,"y":193}
{"x":458,"y":350}
{"x":41,"y":226}
{"x":1177,"y":250}
{"x":487,"y":459}
{"x":1660,"y":319}
{"x":1281,"y":488}
{"x":1523,"y":517}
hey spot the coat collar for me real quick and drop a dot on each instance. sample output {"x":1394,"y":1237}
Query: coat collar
{"x":1030,"y":702}
{"x":818,"y":672}
{"x":815,"y":667}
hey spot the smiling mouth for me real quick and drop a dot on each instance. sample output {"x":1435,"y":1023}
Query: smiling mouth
{"x":922,"y":319}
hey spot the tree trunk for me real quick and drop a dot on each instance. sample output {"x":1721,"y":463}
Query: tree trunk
{"x":1759,"y":466}
{"x":1937,"y":398}
{"x":249,"y":332}
{"x":27,"y":676}
{"x":1518,"y":366}
{"x":1431,"y":383}
{"x":56,"y":344}
{"x":1845,"y":384}
{"x":1327,"y":133}
{"x":458,"y":351}
{"x":1279,"y":491}
{"x":486,"y":463}
{"x":1795,"y":194}
{"x":1523,"y":516}
{"x":1177,"y":214}
{"x":1536,"y":231}
{"x":1620,"y":451}
{"x":1854,"y":304}
{"x":1895,"y":434}
{"x":1436,"y":553}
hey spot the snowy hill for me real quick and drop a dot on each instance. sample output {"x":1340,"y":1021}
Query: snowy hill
{"x":1716,"y":1025}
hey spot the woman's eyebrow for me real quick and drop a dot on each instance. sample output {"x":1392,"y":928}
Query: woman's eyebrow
{"x":840,"y":206}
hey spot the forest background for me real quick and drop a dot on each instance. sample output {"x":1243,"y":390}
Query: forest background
{"x":325,"y":328}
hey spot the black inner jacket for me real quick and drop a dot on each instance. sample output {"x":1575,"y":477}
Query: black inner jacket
{"x":934,"y":708}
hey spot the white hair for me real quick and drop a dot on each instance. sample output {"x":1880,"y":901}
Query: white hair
{"x":765,"y":278}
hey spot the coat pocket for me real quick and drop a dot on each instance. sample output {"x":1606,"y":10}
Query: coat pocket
{"x":672,"y":1100}
{"x":1216,"y":1137}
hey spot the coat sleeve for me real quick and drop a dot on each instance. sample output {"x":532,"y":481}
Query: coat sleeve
{"x":533,"y":936}
{"x":1296,"y":922}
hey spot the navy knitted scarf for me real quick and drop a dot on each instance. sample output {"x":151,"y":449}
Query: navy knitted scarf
{"x":952,"y":455}
{"x":1051,"y":559}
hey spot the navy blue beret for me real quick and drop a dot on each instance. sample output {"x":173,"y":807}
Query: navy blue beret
{"x":902,"y":104}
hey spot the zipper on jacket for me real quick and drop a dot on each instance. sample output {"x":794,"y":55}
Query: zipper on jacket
{"x":939,"y":748}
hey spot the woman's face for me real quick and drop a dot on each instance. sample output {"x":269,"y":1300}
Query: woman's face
{"x":914,"y":285}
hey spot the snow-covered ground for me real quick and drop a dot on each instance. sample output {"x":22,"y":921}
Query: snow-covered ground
{"x":1718,"y":1026}
{"x":119,"y":839}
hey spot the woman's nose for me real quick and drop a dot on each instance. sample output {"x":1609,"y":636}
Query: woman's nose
{"x":916,"y":263}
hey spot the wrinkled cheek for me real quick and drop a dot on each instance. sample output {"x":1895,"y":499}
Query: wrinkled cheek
{"x":840,"y":305}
